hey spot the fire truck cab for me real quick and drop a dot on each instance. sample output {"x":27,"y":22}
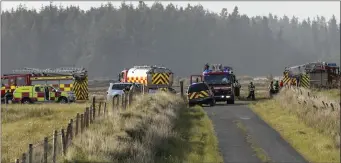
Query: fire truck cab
{"x":221,"y":81}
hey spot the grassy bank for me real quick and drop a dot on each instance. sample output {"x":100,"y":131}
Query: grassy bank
{"x":311,"y":127}
{"x":157,"y":128}
{"x":24,"y":124}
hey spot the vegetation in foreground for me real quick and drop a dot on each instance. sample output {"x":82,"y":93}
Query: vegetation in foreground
{"x":157,"y":128}
{"x":25,"y":124}
{"x":310,"y":126}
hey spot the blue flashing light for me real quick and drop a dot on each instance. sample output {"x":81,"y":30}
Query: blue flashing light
{"x":332,"y":64}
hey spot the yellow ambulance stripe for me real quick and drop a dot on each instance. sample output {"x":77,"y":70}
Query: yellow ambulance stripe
{"x":160,"y":78}
{"x":200,"y":94}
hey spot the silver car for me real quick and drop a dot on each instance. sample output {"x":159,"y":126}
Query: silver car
{"x":116,"y":89}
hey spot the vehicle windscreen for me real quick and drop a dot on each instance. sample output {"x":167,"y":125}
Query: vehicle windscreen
{"x":120,"y":86}
{"x":217,"y":79}
{"x":4,"y":81}
{"x":197,"y":88}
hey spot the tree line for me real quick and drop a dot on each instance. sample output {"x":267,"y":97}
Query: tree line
{"x":107,"y":39}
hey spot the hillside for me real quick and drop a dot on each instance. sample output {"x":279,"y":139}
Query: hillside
{"x":190,"y":37}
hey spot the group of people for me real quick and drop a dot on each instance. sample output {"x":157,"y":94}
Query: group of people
{"x":274,"y":88}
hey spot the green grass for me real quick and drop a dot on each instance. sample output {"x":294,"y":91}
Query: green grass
{"x":313,"y":144}
{"x":260,"y":153}
{"x":24,"y":124}
{"x":197,"y":141}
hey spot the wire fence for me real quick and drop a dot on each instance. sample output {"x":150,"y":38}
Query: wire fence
{"x":55,"y":145}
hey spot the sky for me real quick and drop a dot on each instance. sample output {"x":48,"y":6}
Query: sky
{"x":301,"y":9}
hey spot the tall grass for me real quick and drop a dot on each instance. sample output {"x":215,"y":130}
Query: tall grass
{"x":315,"y":111}
{"x":25,"y":124}
{"x":134,"y":135}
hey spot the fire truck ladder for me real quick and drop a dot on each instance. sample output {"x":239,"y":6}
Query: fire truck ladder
{"x":61,"y":70}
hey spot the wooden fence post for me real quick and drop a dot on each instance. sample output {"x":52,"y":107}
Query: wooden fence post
{"x":45,"y":149}
{"x":125,"y":101}
{"x":23,"y":158}
{"x":105,"y":109}
{"x":67,"y":136}
{"x":94,"y":112}
{"x":117,"y":102}
{"x":54,"y":154}
{"x":87,"y":117}
{"x":82,"y":123}
{"x":63,"y":142}
{"x":71,"y":129}
{"x":30,"y":153}
{"x":122,"y":101}
{"x":99,"y":111}
{"x":77,"y":124}
{"x":182,"y":88}
{"x":90,"y":114}
{"x":113,"y":103}
{"x":93,"y":101}
{"x":128,"y":99}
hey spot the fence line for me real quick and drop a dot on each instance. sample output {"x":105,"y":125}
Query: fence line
{"x":52,"y":147}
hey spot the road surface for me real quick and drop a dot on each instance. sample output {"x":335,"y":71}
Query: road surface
{"x":233,"y":144}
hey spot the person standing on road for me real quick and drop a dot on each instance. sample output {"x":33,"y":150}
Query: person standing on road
{"x":251,"y":91}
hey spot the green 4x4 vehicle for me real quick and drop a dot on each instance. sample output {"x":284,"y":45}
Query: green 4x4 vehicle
{"x":41,"y":93}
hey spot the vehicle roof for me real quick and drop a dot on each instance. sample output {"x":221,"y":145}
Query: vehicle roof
{"x":124,"y":83}
{"x":215,"y":73}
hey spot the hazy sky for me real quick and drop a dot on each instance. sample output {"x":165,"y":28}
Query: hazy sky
{"x":301,"y":9}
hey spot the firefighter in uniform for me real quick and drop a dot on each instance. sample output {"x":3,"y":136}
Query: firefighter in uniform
{"x":251,"y":91}
{"x":276,"y":87}
{"x":271,"y":88}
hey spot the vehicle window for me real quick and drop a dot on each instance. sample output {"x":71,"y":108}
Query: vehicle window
{"x":38,"y":89}
{"x":117,"y":87}
{"x":4,"y":81}
{"x":52,"y":82}
{"x":21,"y":81}
{"x":38,"y":82}
{"x":65,"y":81}
{"x":50,"y":88}
{"x":197,"y":88}
{"x":11,"y":81}
{"x":217,"y":79}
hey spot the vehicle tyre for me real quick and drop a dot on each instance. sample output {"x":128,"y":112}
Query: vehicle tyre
{"x":26,"y":101}
{"x":212,"y":103}
{"x":63,"y":100}
{"x":230,"y":101}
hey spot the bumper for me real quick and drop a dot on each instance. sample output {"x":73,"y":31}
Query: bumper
{"x":72,"y":99}
{"x":200,"y":101}
{"x":223,"y":97}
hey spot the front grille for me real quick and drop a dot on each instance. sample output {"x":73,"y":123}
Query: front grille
{"x":221,"y":92}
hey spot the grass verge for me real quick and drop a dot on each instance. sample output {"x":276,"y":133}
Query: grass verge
{"x":310,"y":127}
{"x":260,"y":153}
{"x":157,"y":128}
{"x":24,"y":124}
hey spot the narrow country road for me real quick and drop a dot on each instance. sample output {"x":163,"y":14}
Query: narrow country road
{"x":233,"y":144}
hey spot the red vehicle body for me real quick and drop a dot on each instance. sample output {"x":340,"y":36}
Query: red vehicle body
{"x":221,"y":82}
{"x":10,"y":81}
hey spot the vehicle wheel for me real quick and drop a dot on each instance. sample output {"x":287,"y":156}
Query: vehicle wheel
{"x":212,"y":103}
{"x":230,"y":101}
{"x":26,"y":101}
{"x":63,"y":100}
